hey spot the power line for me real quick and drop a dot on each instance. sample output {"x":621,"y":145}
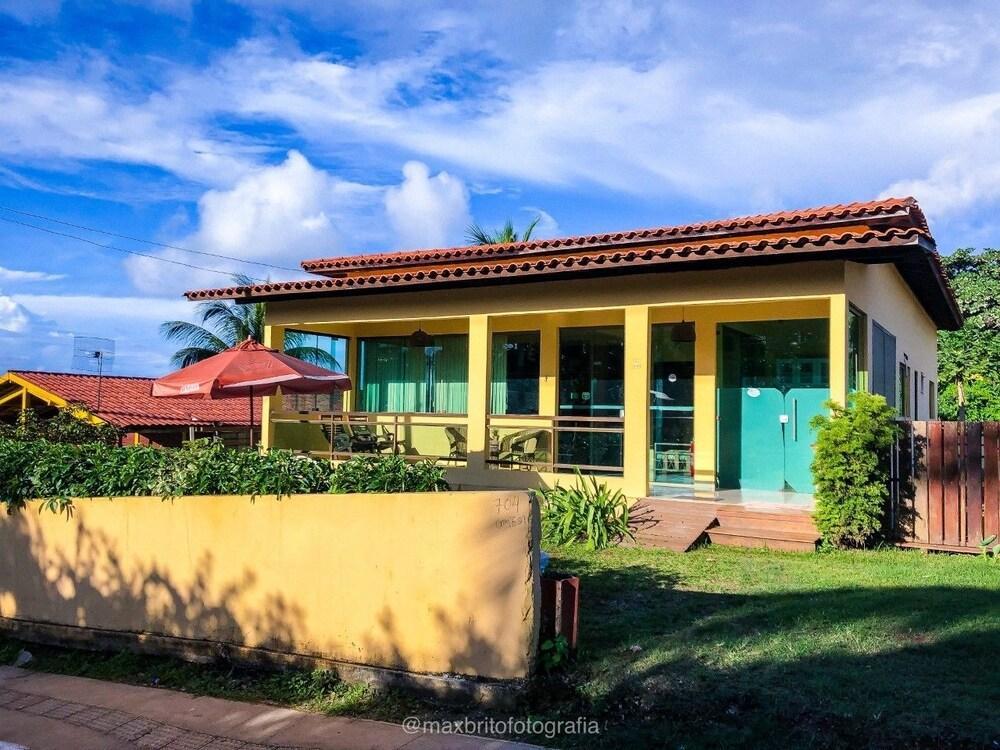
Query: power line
{"x":146,"y":242}
{"x":119,"y":249}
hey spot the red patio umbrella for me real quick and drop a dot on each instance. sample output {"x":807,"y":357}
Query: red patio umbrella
{"x":249,"y":369}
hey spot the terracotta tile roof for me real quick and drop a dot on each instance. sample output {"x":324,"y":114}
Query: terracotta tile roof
{"x":126,"y":401}
{"x":876,"y":230}
{"x":808,"y":218}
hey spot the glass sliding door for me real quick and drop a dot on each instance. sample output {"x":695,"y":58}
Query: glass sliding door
{"x":671,"y":405}
{"x":514,"y":373}
{"x":773,"y":377}
{"x":591,"y":384}
{"x":396,"y":377}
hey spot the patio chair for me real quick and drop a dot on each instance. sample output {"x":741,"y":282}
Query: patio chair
{"x":458,"y":447}
{"x":524,"y":447}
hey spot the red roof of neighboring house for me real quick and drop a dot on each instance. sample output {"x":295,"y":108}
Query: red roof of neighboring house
{"x":126,"y":401}
{"x":890,"y":230}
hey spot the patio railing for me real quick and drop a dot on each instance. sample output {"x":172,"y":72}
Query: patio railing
{"x":340,"y":435}
{"x":556,"y":444}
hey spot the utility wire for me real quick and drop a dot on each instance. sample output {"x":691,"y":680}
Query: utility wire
{"x":119,"y":249}
{"x":146,"y":242}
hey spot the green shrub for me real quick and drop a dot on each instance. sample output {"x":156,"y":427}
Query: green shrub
{"x":586,"y":512}
{"x":851,"y":469}
{"x":65,"y":426}
{"x":57,"y":472}
{"x":370,"y":473}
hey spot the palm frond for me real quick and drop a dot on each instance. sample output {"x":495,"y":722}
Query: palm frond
{"x":529,"y":230}
{"x":478,"y":236}
{"x":189,"y":355}
{"x":192,"y":335}
{"x":314,"y":355}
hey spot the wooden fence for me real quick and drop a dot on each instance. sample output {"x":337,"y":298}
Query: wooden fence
{"x":946,"y":485}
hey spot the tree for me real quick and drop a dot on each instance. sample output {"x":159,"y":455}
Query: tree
{"x":969,"y":359}
{"x":503,"y":236}
{"x":226,"y":324}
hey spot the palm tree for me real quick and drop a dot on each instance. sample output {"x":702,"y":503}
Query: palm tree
{"x":226,"y":324}
{"x":503,"y":236}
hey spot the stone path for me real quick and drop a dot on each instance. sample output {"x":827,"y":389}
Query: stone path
{"x":42,"y":711}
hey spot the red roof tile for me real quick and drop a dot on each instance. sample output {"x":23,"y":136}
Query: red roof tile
{"x":807,"y":218}
{"x":875,"y":231}
{"x":126,"y":401}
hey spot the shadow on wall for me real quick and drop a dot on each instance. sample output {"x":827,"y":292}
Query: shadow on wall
{"x":94,"y":589}
{"x":478,"y":624}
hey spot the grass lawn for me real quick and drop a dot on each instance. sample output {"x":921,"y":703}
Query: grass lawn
{"x":719,"y":647}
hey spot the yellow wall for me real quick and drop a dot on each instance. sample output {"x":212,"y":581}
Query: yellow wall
{"x":821,"y":289}
{"x":430,"y":583}
{"x":880,"y":292}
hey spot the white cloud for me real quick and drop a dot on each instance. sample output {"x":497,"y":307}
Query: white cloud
{"x":427,"y":211}
{"x":276,"y":215}
{"x":10,"y":274}
{"x":45,"y":340}
{"x":13,"y":317}
{"x":547,"y":225}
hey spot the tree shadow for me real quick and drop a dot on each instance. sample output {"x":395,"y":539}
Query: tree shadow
{"x":662,"y":665}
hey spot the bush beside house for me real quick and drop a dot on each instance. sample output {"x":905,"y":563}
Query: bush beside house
{"x":851,"y":469}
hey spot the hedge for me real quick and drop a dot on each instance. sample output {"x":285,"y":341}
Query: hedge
{"x":56,"y":473}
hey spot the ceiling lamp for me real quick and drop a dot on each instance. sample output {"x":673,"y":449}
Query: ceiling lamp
{"x":419,"y":339}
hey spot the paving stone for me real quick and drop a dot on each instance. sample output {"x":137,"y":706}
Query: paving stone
{"x":224,"y":743}
{"x":24,"y":700}
{"x":44,"y":707}
{"x":190,"y":741}
{"x":87,"y":715}
{"x":67,"y":709}
{"x":8,"y":696}
{"x":134,"y":728}
{"x":159,"y":737}
{"x":108,"y":720}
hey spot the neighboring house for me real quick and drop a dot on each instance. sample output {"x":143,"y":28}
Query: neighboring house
{"x":659,"y":358}
{"x":125,"y":403}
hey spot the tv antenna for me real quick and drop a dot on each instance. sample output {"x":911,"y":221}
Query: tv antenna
{"x":93,"y":354}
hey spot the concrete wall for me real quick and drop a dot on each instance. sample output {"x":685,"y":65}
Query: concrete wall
{"x":428,"y":583}
{"x":880,"y":292}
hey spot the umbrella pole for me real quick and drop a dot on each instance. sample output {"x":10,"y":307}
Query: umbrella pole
{"x":251,"y":417}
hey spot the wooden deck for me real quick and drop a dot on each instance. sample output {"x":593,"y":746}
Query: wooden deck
{"x":679,"y":524}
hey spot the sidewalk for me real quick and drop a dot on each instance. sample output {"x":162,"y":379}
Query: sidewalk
{"x":51,"y":712}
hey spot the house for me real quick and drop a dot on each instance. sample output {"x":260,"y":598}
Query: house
{"x":670,"y":361}
{"x":126,"y":404}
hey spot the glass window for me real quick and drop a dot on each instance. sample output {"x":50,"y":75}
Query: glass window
{"x":514,"y":373}
{"x":884,"y":364}
{"x":671,"y":406}
{"x":396,"y":377}
{"x":591,"y":384}
{"x":320,"y":349}
{"x":857,"y":355}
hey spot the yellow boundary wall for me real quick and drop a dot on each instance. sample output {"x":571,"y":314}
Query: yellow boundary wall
{"x":427,"y":583}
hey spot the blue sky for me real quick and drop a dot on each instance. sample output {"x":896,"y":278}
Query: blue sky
{"x":277,"y":131}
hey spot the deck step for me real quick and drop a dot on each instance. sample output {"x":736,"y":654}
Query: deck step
{"x":673,"y":526}
{"x":748,"y":536}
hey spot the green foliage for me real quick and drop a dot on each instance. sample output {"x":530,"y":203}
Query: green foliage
{"x":851,"y":469}
{"x":370,"y":473}
{"x":226,"y":324}
{"x":989,"y":549}
{"x":65,"y":426}
{"x":587,"y":511}
{"x":968,"y":359}
{"x":56,"y":473}
{"x":553,"y":654}
{"x":506,"y":235}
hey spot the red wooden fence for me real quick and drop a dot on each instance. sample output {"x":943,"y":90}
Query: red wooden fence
{"x":946,"y":492}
